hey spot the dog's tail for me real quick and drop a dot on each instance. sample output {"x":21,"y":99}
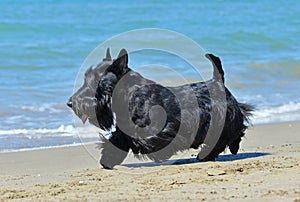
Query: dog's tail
{"x":247,"y":111}
{"x":218,"y":70}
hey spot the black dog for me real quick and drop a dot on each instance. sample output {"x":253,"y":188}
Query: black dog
{"x":156,"y":121}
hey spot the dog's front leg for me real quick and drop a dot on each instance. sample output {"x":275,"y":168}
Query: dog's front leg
{"x":114,"y":150}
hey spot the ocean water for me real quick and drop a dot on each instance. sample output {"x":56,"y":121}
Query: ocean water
{"x":44,"y":43}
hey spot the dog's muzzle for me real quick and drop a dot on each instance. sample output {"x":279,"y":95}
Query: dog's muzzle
{"x":69,"y":103}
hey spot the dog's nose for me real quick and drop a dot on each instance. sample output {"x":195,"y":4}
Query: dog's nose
{"x":69,"y":103}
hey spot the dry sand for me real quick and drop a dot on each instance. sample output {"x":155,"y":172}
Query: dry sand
{"x":266,"y":169}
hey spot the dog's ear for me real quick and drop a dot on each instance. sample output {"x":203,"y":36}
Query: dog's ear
{"x":119,"y":65}
{"x":122,"y":60}
{"x":107,"y":57}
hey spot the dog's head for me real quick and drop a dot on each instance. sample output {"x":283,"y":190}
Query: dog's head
{"x":92,"y":101}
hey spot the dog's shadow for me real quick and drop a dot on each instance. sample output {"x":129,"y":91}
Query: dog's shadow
{"x":227,"y":157}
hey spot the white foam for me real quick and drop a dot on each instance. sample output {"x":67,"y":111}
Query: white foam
{"x":45,"y":107}
{"x":282,"y":113}
{"x":85,"y":132}
{"x":62,"y":129}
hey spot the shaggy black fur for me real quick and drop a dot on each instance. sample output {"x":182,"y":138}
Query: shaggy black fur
{"x":156,"y":121}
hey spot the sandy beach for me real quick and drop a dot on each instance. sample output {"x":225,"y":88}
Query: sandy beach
{"x":266,"y":169}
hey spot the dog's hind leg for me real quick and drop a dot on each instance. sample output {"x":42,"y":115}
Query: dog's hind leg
{"x":235,"y":145}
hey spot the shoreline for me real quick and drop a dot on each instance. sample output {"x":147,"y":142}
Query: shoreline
{"x":46,"y":147}
{"x":266,"y":168}
{"x":95,"y":142}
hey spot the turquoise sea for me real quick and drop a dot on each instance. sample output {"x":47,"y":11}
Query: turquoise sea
{"x":43,"y":44}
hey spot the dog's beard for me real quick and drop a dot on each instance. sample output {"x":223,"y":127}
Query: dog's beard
{"x":85,"y":109}
{"x":99,"y":115}
{"x":94,"y":106}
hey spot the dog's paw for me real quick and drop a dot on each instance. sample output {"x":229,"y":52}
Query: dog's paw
{"x":203,"y":155}
{"x":106,"y":167}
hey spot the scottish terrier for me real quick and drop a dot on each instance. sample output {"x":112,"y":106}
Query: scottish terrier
{"x":155,"y":121}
